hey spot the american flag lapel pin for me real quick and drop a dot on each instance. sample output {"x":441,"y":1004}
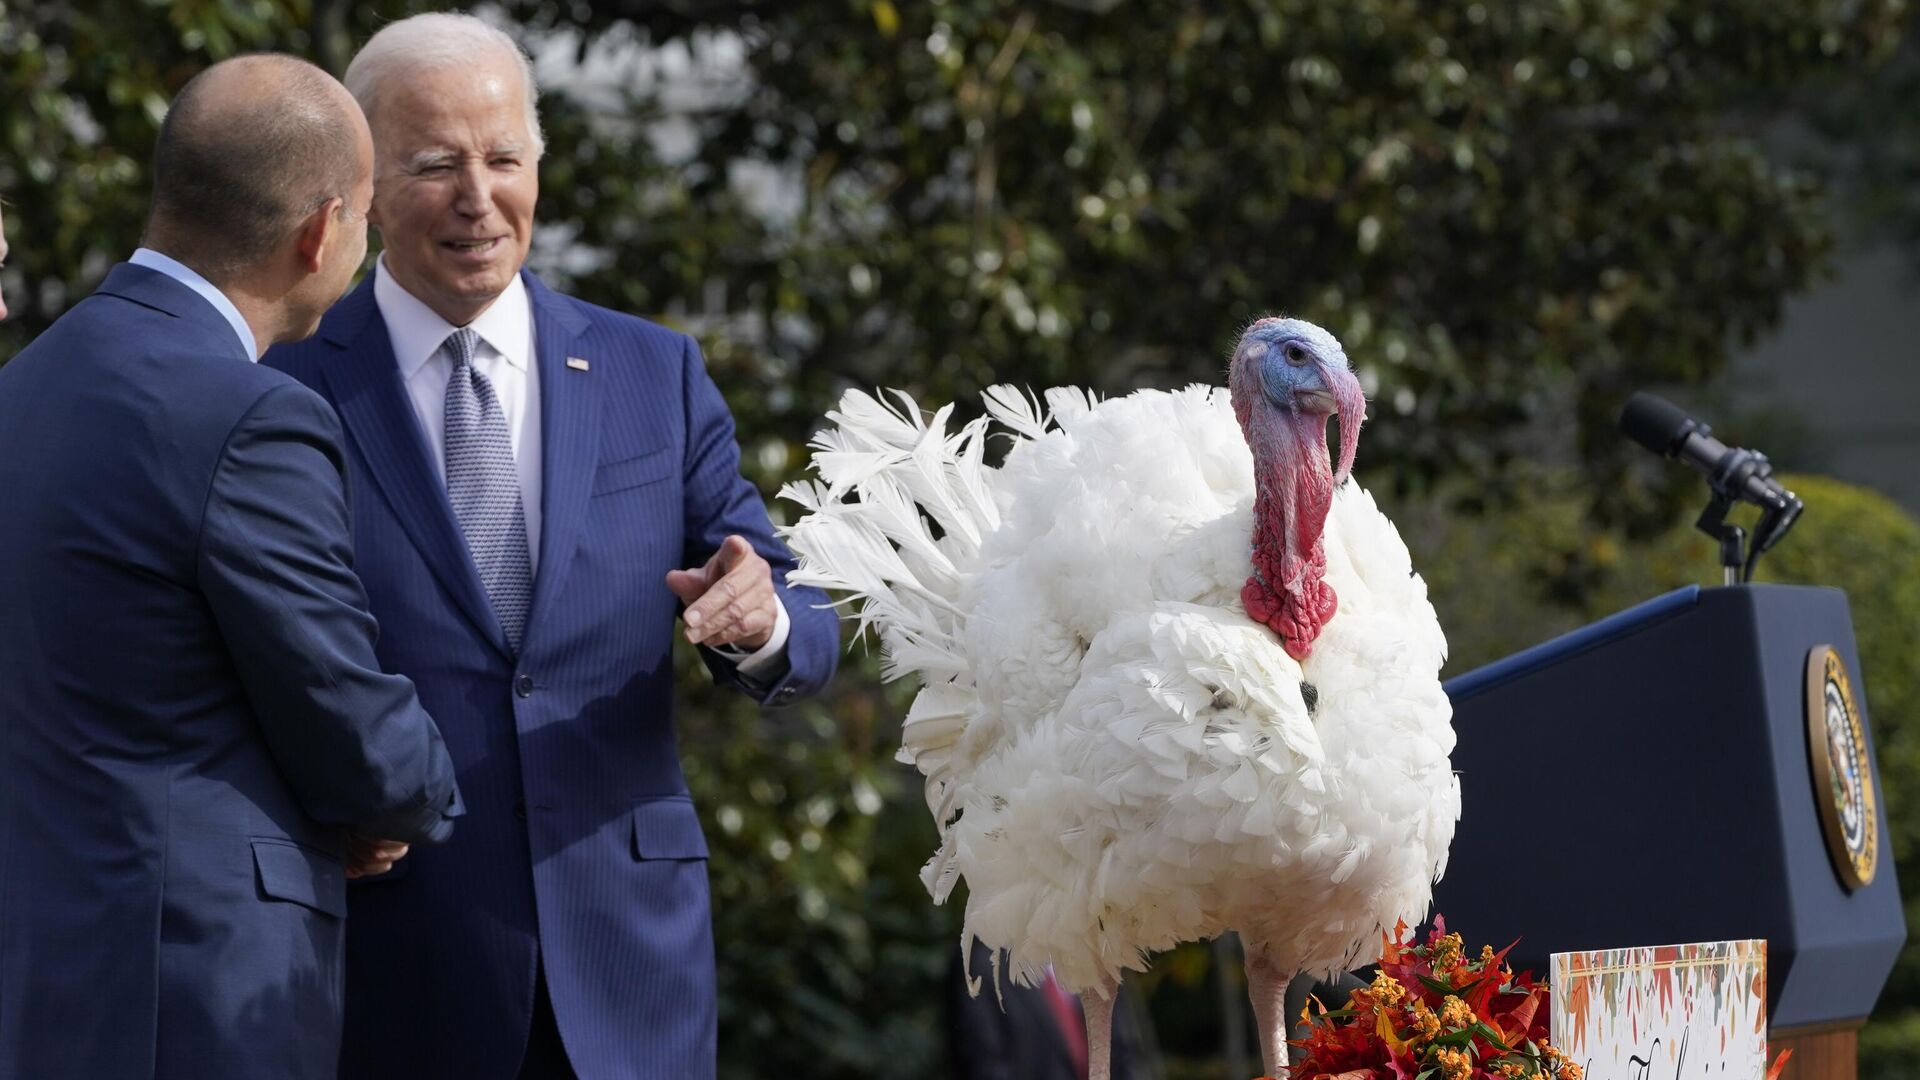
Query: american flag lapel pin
{"x":576,"y":363}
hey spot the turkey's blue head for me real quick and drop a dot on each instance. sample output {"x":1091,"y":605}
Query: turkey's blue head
{"x":1304,"y":377}
{"x":1286,"y":379}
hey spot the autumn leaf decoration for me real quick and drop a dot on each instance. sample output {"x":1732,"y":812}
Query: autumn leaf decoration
{"x":1433,"y":1013}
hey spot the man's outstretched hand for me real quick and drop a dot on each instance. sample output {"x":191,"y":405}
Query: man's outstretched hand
{"x":730,"y":600}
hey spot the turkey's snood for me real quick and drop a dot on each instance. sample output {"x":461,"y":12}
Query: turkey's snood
{"x":1294,"y":482}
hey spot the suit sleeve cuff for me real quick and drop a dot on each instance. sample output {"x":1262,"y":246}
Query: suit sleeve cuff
{"x":764,"y":663}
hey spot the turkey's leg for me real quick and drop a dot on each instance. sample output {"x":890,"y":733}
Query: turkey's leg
{"x":1267,"y":986}
{"x":1098,"y":1006}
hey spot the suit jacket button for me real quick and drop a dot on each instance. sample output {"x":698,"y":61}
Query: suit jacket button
{"x":520,"y":809}
{"x":523,"y":686}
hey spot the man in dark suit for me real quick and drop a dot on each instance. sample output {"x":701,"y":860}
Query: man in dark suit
{"x":192,"y":718}
{"x":540,"y":485}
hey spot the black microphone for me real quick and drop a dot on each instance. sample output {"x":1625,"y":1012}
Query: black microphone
{"x":1733,"y":473}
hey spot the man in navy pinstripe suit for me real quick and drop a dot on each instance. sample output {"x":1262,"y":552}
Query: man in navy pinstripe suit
{"x":540,"y":487}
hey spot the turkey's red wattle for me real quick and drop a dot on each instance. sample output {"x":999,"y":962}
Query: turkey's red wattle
{"x":1292,"y":475}
{"x":1294,"y":490}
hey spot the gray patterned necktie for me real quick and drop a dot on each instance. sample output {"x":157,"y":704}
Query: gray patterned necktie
{"x":484,"y":486}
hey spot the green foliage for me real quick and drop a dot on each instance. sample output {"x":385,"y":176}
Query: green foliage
{"x":83,"y":88}
{"x":1890,"y":1045}
{"x":1511,"y":214}
{"x":1101,"y":193}
{"x":830,"y":954}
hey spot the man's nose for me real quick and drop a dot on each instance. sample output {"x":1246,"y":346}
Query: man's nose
{"x":474,"y":195}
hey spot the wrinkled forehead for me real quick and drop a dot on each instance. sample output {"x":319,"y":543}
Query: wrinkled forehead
{"x":477,"y":108}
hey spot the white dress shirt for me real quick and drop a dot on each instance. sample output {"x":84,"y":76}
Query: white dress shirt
{"x":506,"y":357}
{"x":186,"y":275}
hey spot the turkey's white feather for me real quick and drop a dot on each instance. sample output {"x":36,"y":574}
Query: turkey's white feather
{"x":1118,"y":758}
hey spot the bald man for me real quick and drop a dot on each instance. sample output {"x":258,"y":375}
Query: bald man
{"x":195,"y":735}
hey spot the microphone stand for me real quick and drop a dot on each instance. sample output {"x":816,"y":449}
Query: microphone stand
{"x":1777,"y":515}
{"x":1733,"y":539}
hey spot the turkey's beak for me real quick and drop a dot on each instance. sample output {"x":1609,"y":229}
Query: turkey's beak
{"x":1351,"y":403}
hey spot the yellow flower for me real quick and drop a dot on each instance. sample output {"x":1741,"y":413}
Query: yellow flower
{"x":1447,"y":952}
{"x":1570,"y":1071}
{"x":1424,"y":1020}
{"x":1386,"y":989}
{"x":1486,"y":957}
{"x":1454,"y":1013}
{"x":1454,"y":1064}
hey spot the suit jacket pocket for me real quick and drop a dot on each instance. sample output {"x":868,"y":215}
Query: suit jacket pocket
{"x":633,"y":472}
{"x":288,"y":871}
{"x":666,"y":827}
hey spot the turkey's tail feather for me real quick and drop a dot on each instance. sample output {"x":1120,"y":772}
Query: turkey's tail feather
{"x":894,"y":526}
{"x":895,"y":522}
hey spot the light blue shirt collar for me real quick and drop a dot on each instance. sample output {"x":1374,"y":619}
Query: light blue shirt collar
{"x":186,"y":275}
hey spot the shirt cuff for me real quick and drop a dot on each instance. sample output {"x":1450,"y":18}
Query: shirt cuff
{"x":767,"y":658}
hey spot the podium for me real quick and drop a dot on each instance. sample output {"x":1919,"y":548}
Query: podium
{"x":1651,"y":780}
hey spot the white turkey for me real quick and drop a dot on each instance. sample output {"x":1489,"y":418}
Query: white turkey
{"x":1179,"y":676}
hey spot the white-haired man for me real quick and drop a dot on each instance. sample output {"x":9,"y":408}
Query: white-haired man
{"x":541,"y":486}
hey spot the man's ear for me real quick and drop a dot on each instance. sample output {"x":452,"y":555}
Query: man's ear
{"x":317,"y":233}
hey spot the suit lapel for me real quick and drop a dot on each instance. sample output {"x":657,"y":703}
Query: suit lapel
{"x":373,"y":403}
{"x":570,"y":434}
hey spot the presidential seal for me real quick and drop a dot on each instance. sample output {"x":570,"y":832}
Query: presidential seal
{"x":1842,"y":773}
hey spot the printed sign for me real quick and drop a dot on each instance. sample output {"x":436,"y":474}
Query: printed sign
{"x":1675,"y":1012}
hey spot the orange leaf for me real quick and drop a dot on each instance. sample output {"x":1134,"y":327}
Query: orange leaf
{"x":1383,"y":1026}
{"x":1522,"y":1017}
{"x":1779,"y":1063}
